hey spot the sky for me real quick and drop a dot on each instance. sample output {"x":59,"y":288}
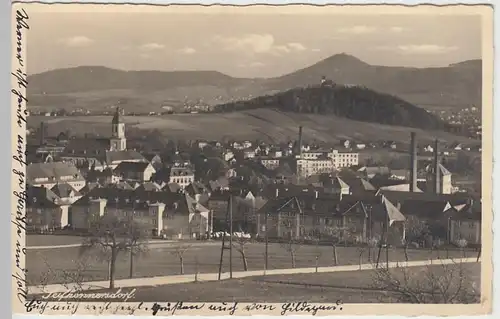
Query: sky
{"x":243,"y":45}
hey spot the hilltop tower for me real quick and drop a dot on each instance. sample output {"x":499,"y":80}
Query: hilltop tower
{"x":118,"y":141}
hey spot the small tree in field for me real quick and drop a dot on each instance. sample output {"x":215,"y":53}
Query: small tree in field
{"x":240,"y":244}
{"x":179,"y":251}
{"x":441,"y":283}
{"x":113,"y":235}
{"x":415,"y":231}
{"x":462,"y":243}
{"x":292,"y":243}
{"x":336,"y":234}
{"x":73,"y":278}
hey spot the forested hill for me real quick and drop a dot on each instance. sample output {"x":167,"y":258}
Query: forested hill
{"x":356,"y":103}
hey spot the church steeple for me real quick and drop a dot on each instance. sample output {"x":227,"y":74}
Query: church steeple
{"x":116,"y":117}
{"x":118,"y":140}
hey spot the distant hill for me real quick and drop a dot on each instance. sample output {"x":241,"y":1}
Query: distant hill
{"x":356,"y":103}
{"x":97,"y":87}
{"x":457,"y":84}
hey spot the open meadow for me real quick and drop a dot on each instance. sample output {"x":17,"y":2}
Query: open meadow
{"x":48,"y":266}
{"x":267,"y":124}
{"x":347,"y":286}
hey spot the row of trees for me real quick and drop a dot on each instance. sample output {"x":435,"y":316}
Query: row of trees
{"x":111,"y":237}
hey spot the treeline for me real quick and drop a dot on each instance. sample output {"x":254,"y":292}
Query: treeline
{"x":353,"y":102}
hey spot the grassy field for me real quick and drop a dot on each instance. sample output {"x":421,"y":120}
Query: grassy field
{"x":53,"y":265}
{"x":349,"y":287}
{"x":261,"y":123}
{"x":52,"y":240}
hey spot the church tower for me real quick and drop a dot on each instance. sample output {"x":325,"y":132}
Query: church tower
{"x":118,"y":140}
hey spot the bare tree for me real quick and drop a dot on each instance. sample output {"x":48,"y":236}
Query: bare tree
{"x":240,"y":244}
{"x":440,"y":283}
{"x":112,"y":235}
{"x":72,"y":279}
{"x":292,"y":242}
{"x":415,"y":231}
{"x":336,"y":235}
{"x":462,"y":243}
{"x":179,"y":251}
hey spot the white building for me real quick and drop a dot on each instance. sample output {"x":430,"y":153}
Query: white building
{"x":183,"y":176}
{"x":308,"y":167}
{"x":345,"y":159}
{"x":50,"y":174}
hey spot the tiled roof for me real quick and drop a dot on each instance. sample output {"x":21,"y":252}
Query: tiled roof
{"x":54,"y":171}
{"x":172,"y":187}
{"x":87,"y":147}
{"x":130,"y":199}
{"x":454,"y":199}
{"x":467,"y":211}
{"x":137,"y":167}
{"x":64,"y":190}
{"x":196,"y":188}
{"x":150,"y":187}
{"x":400,"y":188}
{"x":121,"y":156}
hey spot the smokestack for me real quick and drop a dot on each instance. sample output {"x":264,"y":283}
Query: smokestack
{"x":42,"y":133}
{"x":413,"y":162}
{"x":437,"y":182}
{"x":300,"y":142}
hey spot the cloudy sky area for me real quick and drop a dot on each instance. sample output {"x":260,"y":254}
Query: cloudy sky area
{"x":245,"y":45}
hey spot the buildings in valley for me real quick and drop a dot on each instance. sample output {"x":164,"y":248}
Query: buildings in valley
{"x":102,"y":153}
{"x":51,"y":174}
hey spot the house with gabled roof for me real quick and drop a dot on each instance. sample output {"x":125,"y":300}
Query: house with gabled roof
{"x":45,"y":210}
{"x":50,"y":174}
{"x":359,"y":217}
{"x":166,"y":214}
{"x":465,"y":222}
{"x":135,"y":171}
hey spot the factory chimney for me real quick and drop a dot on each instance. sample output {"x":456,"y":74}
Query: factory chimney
{"x":437,"y":181}
{"x":413,"y":162}
{"x":300,"y":142}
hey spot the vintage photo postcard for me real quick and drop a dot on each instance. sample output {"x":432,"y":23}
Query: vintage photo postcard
{"x":271,"y":160}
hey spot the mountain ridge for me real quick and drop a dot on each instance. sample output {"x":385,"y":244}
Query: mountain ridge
{"x":457,"y":84}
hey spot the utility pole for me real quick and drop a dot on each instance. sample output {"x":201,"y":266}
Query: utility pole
{"x":267,"y":241}
{"x":229,"y":219}
{"x":132,"y":243}
{"x":231,"y":236}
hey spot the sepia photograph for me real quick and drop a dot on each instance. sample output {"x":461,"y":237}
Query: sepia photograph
{"x":221,"y":159}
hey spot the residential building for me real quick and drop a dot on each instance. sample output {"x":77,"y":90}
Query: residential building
{"x":308,"y":167}
{"x":50,"y":174}
{"x":270,"y":162}
{"x":345,"y":159}
{"x":172,"y":215}
{"x":465,"y":223}
{"x":45,"y":211}
{"x":135,"y":171}
{"x":183,"y":176}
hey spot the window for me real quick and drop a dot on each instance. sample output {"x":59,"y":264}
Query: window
{"x":471,"y":225}
{"x":154,"y":221}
